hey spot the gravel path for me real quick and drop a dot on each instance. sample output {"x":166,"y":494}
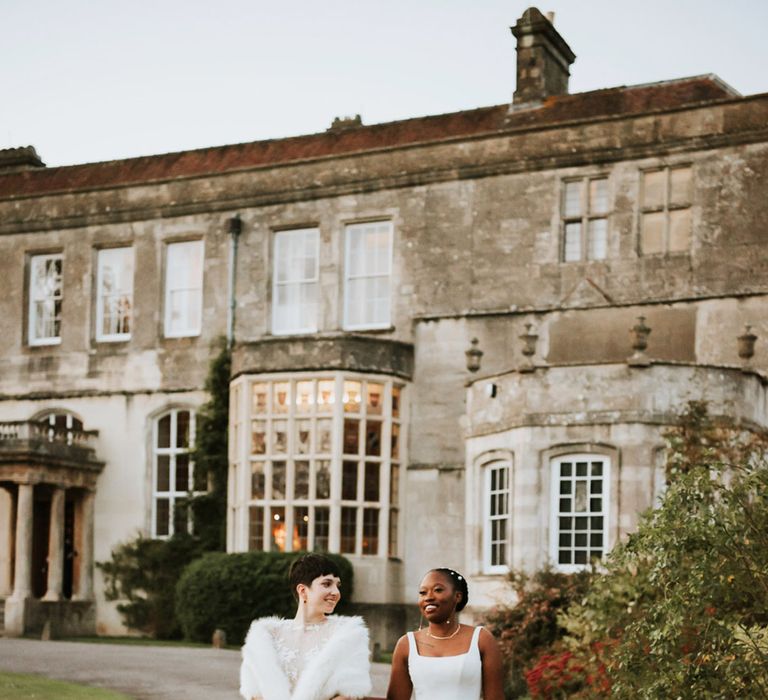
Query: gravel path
{"x":142,"y":672}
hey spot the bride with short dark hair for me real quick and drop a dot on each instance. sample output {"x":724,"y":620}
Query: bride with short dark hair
{"x":314,"y":656}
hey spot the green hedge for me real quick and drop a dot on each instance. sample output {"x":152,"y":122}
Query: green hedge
{"x":227,"y":591}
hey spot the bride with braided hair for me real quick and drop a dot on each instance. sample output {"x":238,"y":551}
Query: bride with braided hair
{"x":446,"y":660}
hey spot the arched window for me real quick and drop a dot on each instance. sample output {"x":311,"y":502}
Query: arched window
{"x":60,"y":426}
{"x":579,"y":524}
{"x":497,"y":489}
{"x":173,"y":472}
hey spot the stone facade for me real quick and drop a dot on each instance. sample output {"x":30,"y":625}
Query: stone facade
{"x":564,"y":217}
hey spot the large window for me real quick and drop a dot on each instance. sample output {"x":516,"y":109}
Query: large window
{"x":580,"y":509}
{"x":368,"y":266}
{"x":173,"y":478}
{"x":295,"y":281}
{"x":585,"y":219}
{"x":183,"y":289}
{"x":114,"y":295}
{"x":496,"y":526}
{"x":325,"y":455}
{"x":45,"y":298}
{"x":665,"y":211}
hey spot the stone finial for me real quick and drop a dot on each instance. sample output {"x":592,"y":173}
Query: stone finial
{"x":219,"y":639}
{"x":639,"y":333}
{"x":529,"y":348}
{"x":474,"y":354}
{"x":543,"y":59}
{"x":746,"y":346}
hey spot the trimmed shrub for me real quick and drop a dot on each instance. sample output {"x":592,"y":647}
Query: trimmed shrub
{"x":142,"y":574}
{"x":228,"y":591}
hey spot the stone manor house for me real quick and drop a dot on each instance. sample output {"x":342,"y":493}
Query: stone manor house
{"x":457,"y":339}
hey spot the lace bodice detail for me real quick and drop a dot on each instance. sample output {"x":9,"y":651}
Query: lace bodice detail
{"x":296,"y":644}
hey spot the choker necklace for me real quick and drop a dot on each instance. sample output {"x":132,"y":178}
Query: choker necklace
{"x":450,"y":636}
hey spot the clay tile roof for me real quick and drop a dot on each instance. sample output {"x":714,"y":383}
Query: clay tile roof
{"x":486,"y":120}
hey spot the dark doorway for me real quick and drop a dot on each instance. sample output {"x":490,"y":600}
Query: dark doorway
{"x":41,"y":523}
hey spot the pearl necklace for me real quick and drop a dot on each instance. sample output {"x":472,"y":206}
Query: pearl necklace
{"x":450,"y":636}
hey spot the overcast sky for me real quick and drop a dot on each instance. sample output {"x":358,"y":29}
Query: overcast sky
{"x":90,"y":80}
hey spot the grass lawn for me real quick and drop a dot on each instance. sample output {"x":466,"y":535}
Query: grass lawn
{"x":17,"y":686}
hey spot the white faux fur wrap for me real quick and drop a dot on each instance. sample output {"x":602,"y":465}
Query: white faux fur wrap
{"x":341,"y":667}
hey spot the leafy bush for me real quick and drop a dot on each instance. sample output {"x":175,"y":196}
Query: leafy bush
{"x":564,"y":674}
{"x":684,"y":602}
{"x":227,"y":591}
{"x":530,"y":626}
{"x":143,"y":573}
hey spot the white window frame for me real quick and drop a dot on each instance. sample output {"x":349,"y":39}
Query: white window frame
{"x":194,"y":288}
{"x":124,"y":294}
{"x":489,"y":517}
{"x":585,"y":217}
{"x":173,"y":494}
{"x":284,"y":245}
{"x":37,"y":262}
{"x":359,"y":229}
{"x":554,"y":529}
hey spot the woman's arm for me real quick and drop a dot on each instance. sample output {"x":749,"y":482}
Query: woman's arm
{"x":493,"y":673}
{"x":400,"y":686}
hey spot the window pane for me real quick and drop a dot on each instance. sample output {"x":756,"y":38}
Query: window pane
{"x":163,"y":473}
{"x":572,"y":199}
{"x":256,"y":528}
{"x":323,"y":480}
{"x":373,"y":438}
{"x":349,"y":481}
{"x":654,"y":182}
{"x":368,"y":268}
{"x":393,"y":516}
{"x":45,"y":297}
{"x":182,"y":429}
{"x":352,"y":397}
{"x":278,"y":480}
{"x":303,"y":432}
{"x":325,"y":396}
{"x":394,"y":484}
{"x":395,"y":401}
{"x":680,"y":182}
{"x":598,"y":239}
{"x":598,"y":196}
{"x":259,"y":399}
{"x":375,"y":399}
{"x":301,"y":480}
{"x":164,"y":431}
{"x":257,"y":480}
{"x":679,"y":230}
{"x":277,"y":529}
{"x":324,"y":428}
{"x":184,"y":286}
{"x":572,"y":243}
{"x":351,"y":436}
{"x":652,"y":233}
{"x":370,"y":531}
{"x":322,"y":529}
{"x":281,"y":397}
{"x":258,"y":437}
{"x":304,"y":397}
{"x":300,"y":528}
{"x":182,"y":472}
{"x":279,"y":437}
{"x":348,"y":530}
{"x":395,"y":441}
{"x":371,"y":486}
{"x":162,"y":517}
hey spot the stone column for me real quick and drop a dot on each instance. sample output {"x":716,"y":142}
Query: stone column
{"x":6,"y":543}
{"x":85,"y":587}
{"x":22,"y":585}
{"x":56,"y":546}
{"x":16,"y":605}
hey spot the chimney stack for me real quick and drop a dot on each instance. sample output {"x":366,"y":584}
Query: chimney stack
{"x":543,"y":59}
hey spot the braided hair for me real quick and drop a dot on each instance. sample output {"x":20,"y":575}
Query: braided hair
{"x":459,"y":584}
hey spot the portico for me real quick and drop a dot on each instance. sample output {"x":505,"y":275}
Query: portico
{"x":49,"y":479}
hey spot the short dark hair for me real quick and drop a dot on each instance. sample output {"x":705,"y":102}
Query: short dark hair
{"x":459,"y":584}
{"x":308,"y":567}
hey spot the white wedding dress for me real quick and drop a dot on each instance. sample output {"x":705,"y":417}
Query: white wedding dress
{"x":458,"y":677}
